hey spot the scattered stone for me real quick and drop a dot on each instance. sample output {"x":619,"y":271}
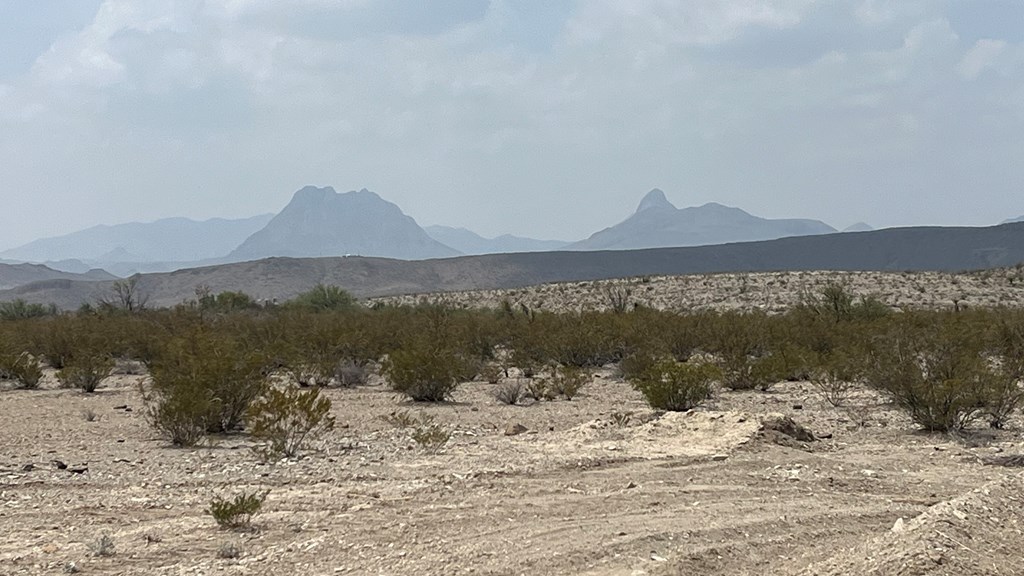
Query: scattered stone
{"x":658,"y":558}
{"x":798,"y":406}
{"x":28,"y":467}
{"x":631,"y":485}
{"x":121,"y":407}
{"x":79,"y":470}
{"x":898,"y":526}
{"x":60,"y":465}
{"x":514,"y":429}
{"x":719,"y":457}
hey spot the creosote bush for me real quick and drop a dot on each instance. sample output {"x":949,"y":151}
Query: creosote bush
{"x":85,"y":371}
{"x":205,"y":382}
{"x":287,"y":420}
{"x":22,"y":367}
{"x":237,"y":512}
{"x":425,"y":372}
{"x":676,"y":386}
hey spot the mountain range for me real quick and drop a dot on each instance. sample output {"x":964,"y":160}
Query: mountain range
{"x":470,"y":243}
{"x":893,"y":249}
{"x":657,"y":223}
{"x":135,"y":247}
{"x":320,"y":222}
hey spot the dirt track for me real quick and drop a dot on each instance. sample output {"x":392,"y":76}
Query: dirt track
{"x":701,"y":493}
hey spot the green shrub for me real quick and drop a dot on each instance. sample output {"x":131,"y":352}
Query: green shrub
{"x":568,"y":381}
{"x":937,"y":373}
{"x":322,"y":298}
{"x":429,"y":436}
{"x":23,"y":368}
{"x":204,"y":378}
{"x":835,"y":376}
{"x":20,"y":310}
{"x":425,"y":372}
{"x":237,"y":512}
{"x":287,"y":420}
{"x":85,"y":371}
{"x":670,"y":385}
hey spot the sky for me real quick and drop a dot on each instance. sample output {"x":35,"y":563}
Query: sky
{"x":543,"y":118}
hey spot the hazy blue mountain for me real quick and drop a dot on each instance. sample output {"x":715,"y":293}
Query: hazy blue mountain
{"x":892,"y":249}
{"x":858,"y":227}
{"x":167,"y":240}
{"x":16,"y":275}
{"x":1012,"y":220}
{"x":471,"y":243}
{"x":658,"y":224}
{"x":321,"y":222}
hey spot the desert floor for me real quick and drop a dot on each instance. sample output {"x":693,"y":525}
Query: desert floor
{"x":585,"y":490}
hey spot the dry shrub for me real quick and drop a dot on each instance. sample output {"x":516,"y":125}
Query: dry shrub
{"x":287,"y":420}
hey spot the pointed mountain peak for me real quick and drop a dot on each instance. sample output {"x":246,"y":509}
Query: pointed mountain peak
{"x":655,"y":199}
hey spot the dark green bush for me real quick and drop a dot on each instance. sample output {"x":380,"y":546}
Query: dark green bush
{"x":425,"y":372}
{"x":322,"y":298}
{"x":204,"y":378}
{"x":675,"y":386}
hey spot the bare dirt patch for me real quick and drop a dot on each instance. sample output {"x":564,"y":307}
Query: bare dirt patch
{"x":596,"y":485}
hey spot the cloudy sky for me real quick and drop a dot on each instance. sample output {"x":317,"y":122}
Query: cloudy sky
{"x":548,"y":118}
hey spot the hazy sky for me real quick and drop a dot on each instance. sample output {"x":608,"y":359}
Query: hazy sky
{"x":548,"y":118}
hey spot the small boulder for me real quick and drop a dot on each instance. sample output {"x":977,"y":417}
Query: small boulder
{"x":514,"y":429}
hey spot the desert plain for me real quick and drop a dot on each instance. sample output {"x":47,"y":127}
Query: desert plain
{"x":777,"y":482}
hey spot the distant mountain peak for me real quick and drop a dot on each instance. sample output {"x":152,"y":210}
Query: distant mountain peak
{"x":321,"y":222}
{"x":858,"y":227}
{"x":655,"y":200}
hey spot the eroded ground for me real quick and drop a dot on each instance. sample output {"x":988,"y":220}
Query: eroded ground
{"x":583,"y":491}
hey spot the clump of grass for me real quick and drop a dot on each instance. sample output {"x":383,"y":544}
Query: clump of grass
{"x":510,"y":392}
{"x":431,"y":437}
{"x":103,"y":546}
{"x":237,"y":512}
{"x":401,"y":419}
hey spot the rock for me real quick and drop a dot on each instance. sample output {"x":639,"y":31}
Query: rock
{"x":28,"y":467}
{"x":79,"y":470}
{"x":898,"y":526}
{"x":798,"y":406}
{"x":514,"y":429}
{"x":60,"y":465}
{"x":658,"y":558}
{"x":719,"y":457}
{"x":785,"y":425}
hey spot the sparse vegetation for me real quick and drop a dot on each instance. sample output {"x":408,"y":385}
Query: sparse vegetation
{"x":287,"y":420}
{"x":103,"y":546}
{"x":675,"y":386}
{"x":238,"y":512}
{"x":511,"y":392}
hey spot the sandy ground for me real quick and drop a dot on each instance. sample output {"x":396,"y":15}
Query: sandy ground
{"x":583,"y":491}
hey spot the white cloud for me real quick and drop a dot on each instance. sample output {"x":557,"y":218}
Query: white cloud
{"x":254,"y":98}
{"x":983,"y":55}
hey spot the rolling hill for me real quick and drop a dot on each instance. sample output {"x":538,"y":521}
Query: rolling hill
{"x":167,"y":240}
